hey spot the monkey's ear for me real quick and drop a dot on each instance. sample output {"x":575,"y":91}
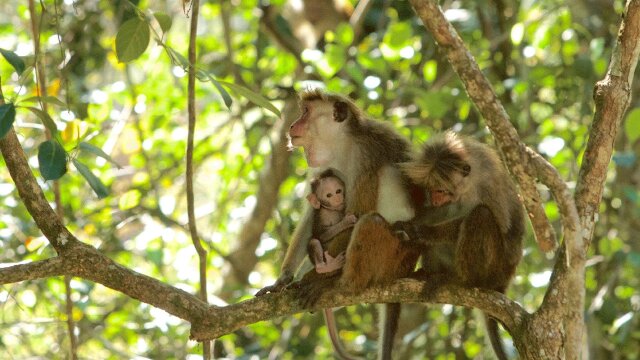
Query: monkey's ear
{"x":340,"y":111}
{"x":466,"y":170}
{"x":313,"y":200}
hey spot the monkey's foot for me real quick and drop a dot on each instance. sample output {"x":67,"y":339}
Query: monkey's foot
{"x":280,"y":285}
{"x":331,"y":264}
{"x":432,"y":281}
{"x":310,"y":292}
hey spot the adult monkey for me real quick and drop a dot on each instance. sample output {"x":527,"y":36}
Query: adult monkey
{"x":472,"y":206}
{"x":334,"y":133}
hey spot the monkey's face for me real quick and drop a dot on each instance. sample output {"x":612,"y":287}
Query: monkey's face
{"x":330,"y":193}
{"x":318,"y":132}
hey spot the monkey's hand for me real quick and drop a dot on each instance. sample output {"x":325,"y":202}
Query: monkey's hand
{"x":405,"y":231}
{"x":351,"y":219}
{"x":331,"y":263}
{"x":280,"y":285}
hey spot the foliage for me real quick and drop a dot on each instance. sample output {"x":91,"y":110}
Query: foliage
{"x":118,"y":113}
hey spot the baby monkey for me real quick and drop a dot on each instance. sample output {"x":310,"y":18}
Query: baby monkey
{"x":473,"y":209}
{"x":327,"y":197}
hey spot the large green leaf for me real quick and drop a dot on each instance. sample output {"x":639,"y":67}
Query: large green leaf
{"x":95,"y":183}
{"x":14,"y":60}
{"x":252,"y":96}
{"x":84,"y":146}
{"x":7,"y":117}
{"x":52,"y":160}
{"x":132,"y":39}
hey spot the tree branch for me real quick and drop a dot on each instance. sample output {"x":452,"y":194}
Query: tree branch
{"x":481,"y":93}
{"x":33,"y":270}
{"x":612,"y":98}
{"x":221,"y":321}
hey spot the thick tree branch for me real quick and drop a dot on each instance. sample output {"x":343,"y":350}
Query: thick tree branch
{"x":80,"y":259}
{"x":31,"y":271}
{"x":612,"y":98}
{"x":481,"y":93}
{"x":220,"y":321}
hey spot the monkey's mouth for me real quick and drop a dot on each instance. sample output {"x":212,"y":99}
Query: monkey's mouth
{"x":295,"y":140}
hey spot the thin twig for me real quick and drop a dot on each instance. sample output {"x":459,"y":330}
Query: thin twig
{"x":202,"y":253}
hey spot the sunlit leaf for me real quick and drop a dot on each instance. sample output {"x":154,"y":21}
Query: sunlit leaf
{"x":7,"y":117}
{"x":132,"y":39}
{"x":177,"y":57}
{"x":632,"y":125}
{"x":84,"y":146}
{"x":430,"y":70}
{"x":344,"y":34}
{"x":13,"y":59}
{"x":225,"y":95}
{"x":95,"y":183}
{"x":52,"y":160}
{"x":129,"y":200}
{"x":48,"y":99}
{"x":46,"y":119}
{"x":164,"y":20}
{"x":517,"y":33}
{"x":252,"y":96}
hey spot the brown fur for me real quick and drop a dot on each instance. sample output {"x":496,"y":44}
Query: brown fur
{"x":365,"y":152}
{"x":486,"y":238}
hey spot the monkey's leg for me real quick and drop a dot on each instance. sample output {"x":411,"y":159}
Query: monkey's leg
{"x":375,"y":255}
{"x":481,"y":258}
{"x":313,"y":284}
{"x":316,"y":252}
{"x":482,"y":261}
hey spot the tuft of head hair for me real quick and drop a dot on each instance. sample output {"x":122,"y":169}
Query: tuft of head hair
{"x":323,"y":175}
{"x":439,"y":160}
{"x":344,"y":108}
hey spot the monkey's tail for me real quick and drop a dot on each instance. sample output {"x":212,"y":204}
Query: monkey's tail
{"x":494,"y":337}
{"x":389,"y":322}
{"x":332,"y":327}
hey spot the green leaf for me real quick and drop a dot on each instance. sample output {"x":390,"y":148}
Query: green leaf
{"x":52,"y":160}
{"x":164,"y":20}
{"x":48,"y":99}
{"x":95,"y":183}
{"x":26,"y":75}
{"x":46,"y":119}
{"x":84,"y":146}
{"x":430,"y":70}
{"x":13,"y":59}
{"x":132,"y":39}
{"x":7,"y":117}
{"x":129,"y":200}
{"x":177,"y":57}
{"x":252,"y":96}
{"x":632,"y":125}
{"x":225,"y":95}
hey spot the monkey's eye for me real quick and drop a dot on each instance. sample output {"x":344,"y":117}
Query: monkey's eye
{"x":339,"y":191}
{"x":466,"y":170}
{"x":329,"y":195}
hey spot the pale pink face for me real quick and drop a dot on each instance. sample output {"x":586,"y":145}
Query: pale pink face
{"x":331,"y":192}
{"x":316,"y":132}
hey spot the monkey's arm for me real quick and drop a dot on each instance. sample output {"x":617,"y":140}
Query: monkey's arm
{"x":296,"y":253}
{"x":440,"y":215}
{"x":333,"y":230}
